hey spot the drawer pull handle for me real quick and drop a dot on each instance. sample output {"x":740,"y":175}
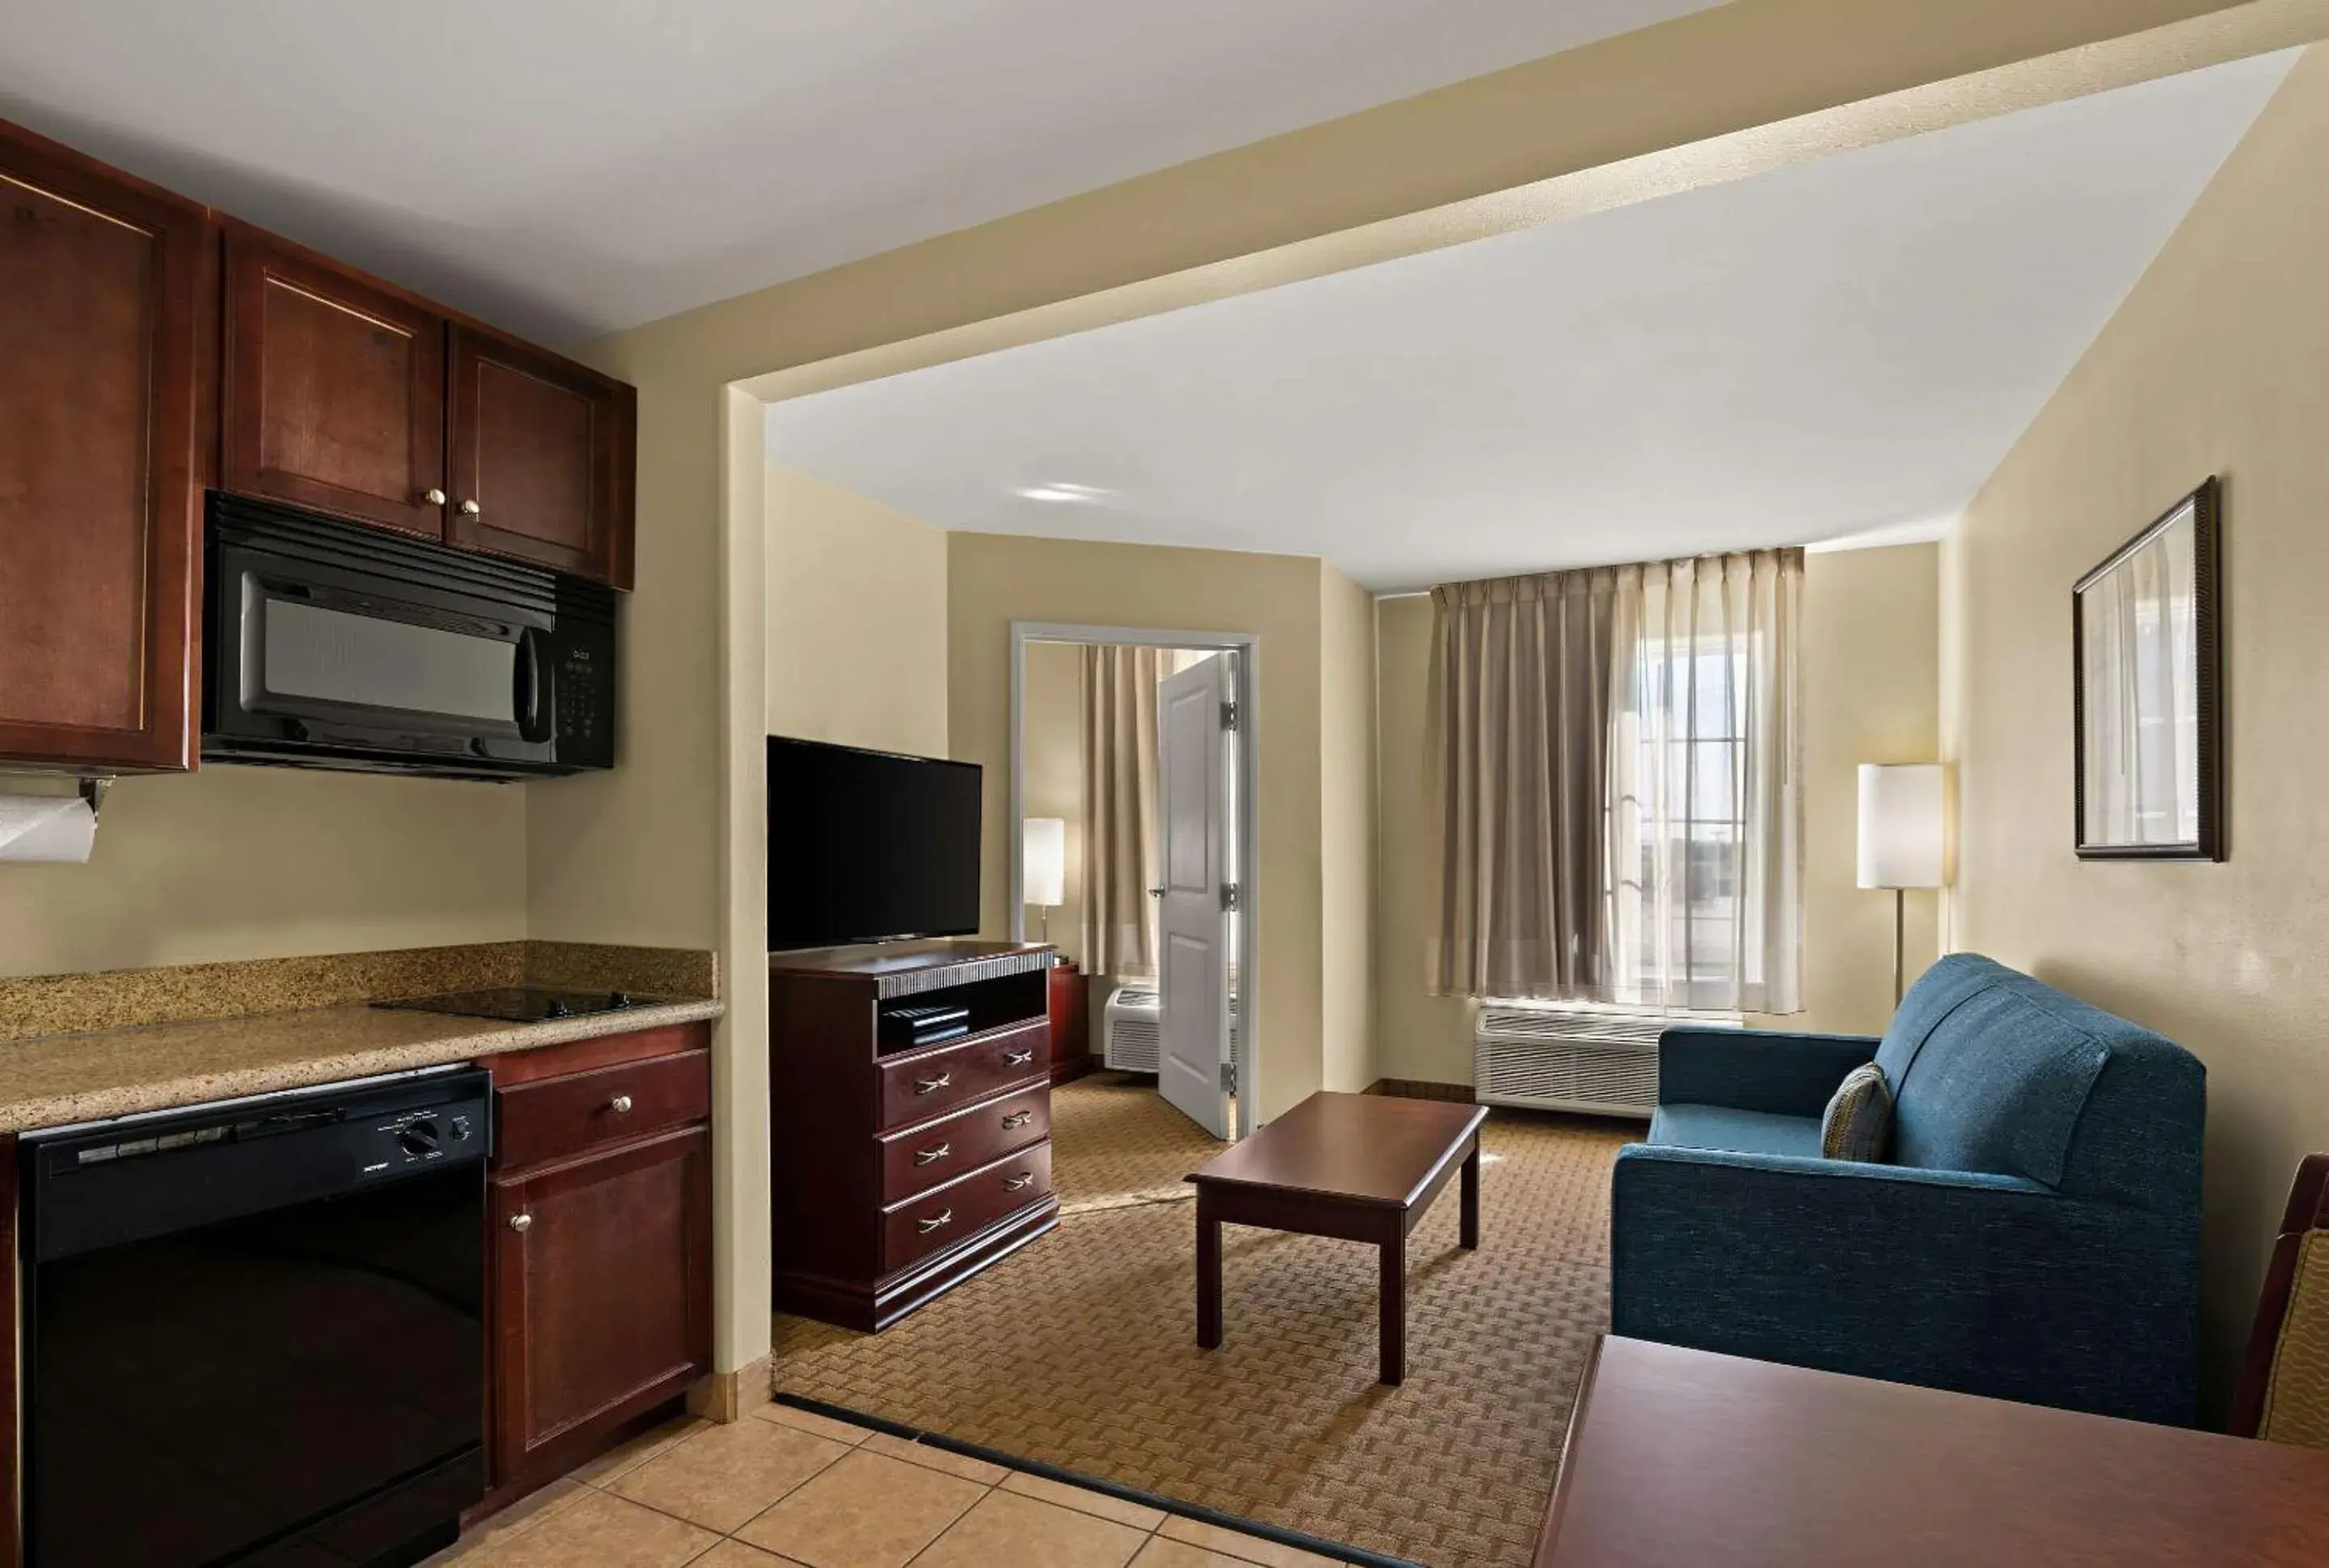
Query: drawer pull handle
{"x":521,"y":1223}
{"x":1017,"y":1119}
{"x":620,"y":1105}
{"x":1013,"y":1184}
{"x":924,"y":1155}
{"x":932,"y":1085}
{"x":1019,"y":1058}
{"x":926,"y":1226}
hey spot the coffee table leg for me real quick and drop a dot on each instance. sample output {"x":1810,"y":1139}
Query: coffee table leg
{"x":1393,"y":1306}
{"x":1468,"y":1193}
{"x":1209,"y":1276}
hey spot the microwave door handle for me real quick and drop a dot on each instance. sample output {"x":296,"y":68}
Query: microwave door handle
{"x":533,"y":671}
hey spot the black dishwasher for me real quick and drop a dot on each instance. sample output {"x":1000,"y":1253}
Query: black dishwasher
{"x":254,"y":1331}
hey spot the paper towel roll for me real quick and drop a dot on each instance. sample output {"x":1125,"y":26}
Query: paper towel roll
{"x":46,"y":827}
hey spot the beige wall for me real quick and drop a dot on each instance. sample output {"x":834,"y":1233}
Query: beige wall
{"x":1346,"y":829}
{"x":2214,"y":364}
{"x":1052,"y":751}
{"x":263,"y":862}
{"x":1871,"y":683}
{"x":856,"y":621}
{"x":998,"y":579}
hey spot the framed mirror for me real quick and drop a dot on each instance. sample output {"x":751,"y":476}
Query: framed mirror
{"x":2147,"y":669}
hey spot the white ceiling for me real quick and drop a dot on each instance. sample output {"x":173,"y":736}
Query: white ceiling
{"x":1837,"y":349}
{"x":571,"y":166}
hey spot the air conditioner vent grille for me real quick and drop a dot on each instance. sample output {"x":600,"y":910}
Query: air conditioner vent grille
{"x":1595,"y":1059}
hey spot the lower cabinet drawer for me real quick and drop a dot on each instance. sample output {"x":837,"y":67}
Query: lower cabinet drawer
{"x":914,"y":1162}
{"x":925,"y":1227}
{"x":551,"y":1118}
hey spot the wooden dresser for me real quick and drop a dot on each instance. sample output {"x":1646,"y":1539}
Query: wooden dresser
{"x":899,"y":1170}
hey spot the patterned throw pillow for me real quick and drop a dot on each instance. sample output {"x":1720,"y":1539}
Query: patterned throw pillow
{"x":1858,"y":1122}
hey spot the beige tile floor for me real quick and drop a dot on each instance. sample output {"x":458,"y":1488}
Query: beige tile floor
{"x":786,"y":1487}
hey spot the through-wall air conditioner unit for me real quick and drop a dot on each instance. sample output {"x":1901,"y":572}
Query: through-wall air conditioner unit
{"x":1572,"y":1055}
{"x":1131,"y":1025}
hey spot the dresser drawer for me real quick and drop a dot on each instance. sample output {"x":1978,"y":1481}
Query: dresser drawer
{"x":930,"y":1084}
{"x":551,"y":1118}
{"x":915,"y":1161}
{"x":925,"y":1227}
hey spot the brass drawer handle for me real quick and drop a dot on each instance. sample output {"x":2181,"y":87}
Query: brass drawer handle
{"x":1013,"y":1184}
{"x":1018,"y":1058}
{"x":620,"y":1105}
{"x":924,"y":1155}
{"x":1017,"y":1119}
{"x":932,"y":1085}
{"x":926,"y":1226}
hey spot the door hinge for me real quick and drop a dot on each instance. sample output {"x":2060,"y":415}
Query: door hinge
{"x":1229,"y":715}
{"x":1229,"y":896}
{"x":1229,"y":1078}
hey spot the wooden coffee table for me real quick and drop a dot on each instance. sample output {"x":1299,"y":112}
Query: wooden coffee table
{"x":1361,"y":1167}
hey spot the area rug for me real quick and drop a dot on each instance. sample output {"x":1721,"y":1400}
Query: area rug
{"x":1079,"y":1351}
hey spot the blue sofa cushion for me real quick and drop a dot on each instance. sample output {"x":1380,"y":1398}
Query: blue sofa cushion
{"x":1718,"y":1127}
{"x":1990,"y":1070}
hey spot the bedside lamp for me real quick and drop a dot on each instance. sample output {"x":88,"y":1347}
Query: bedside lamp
{"x":1901,"y":839}
{"x":1043,"y":864}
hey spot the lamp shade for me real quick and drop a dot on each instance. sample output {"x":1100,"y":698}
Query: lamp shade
{"x":1044,"y":861}
{"x":1901,"y":826}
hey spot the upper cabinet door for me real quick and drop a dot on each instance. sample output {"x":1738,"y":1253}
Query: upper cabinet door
{"x":541,"y":457}
{"x":102,"y":310}
{"x":335,"y":390}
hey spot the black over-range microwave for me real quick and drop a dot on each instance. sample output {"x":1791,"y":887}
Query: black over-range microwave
{"x":327,"y":645}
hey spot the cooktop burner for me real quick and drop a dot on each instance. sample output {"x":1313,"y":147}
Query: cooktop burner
{"x":522,"y":1004}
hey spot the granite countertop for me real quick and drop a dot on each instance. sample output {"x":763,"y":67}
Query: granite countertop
{"x":51,"y":1079}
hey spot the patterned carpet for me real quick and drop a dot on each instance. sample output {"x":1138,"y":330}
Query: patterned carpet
{"x":1080,"y":1350}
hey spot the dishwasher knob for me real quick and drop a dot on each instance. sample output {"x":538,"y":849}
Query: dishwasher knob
{"x":419,"y":1140}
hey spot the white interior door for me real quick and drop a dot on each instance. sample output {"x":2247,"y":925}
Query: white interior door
{"x":1192,"y":959}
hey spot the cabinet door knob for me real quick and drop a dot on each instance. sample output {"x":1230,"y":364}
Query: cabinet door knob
{"x":471,"y":509}
{"x":924,"y":1155}
{"x":926,"y":1226}
{"x":620,"y":1105}
{"x":521,"y":1222}
{"x":932,"y":1085}
{"x":432,"y":496}
{"x":1013,"y":1184}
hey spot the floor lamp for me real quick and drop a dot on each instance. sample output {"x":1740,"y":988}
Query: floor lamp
{"x":1901,"y":840}
{"x":1043,"y":864}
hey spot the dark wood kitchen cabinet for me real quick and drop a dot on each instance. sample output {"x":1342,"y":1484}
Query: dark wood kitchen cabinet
{"x":106,"y":294}
{"x":334,"y":395}
{"x":601,"y":1249}
{"x":541,"y":458}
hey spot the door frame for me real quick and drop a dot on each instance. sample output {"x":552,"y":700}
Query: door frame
{"x":1245,"y":683}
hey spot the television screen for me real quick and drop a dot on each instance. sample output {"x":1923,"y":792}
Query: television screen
{"x":869,"y":845}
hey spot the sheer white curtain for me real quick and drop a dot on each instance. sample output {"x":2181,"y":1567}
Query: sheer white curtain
{"x":1705,"y":785}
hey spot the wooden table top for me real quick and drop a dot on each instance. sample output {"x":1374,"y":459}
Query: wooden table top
{"x":1682,"y":1457}
{"x":1370,"y":1149}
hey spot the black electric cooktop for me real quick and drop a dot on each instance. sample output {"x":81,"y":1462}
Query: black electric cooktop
{"x":524,"y":1003}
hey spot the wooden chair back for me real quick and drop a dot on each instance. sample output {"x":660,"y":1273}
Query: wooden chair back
{"x":2283,"y":1391}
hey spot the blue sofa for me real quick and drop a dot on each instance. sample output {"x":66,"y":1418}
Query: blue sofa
{"x":2035,"y":1236}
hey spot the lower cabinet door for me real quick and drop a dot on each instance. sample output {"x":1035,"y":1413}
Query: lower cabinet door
{"x":602,"y":1284}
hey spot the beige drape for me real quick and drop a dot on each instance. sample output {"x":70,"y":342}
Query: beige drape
{"x":1518,"y":727}
{"x":1118,"y":738}
{"x":1706,"y":798}
{"x":1616,"y":756}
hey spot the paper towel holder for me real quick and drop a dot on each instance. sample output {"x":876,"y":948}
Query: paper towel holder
{"x":92,"y":790}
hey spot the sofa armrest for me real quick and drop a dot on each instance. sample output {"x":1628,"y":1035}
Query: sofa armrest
{"x":1990,"y":1284}
{"x":1756,"y":1069}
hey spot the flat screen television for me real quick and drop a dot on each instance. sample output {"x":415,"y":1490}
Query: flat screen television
{"x":868,"y":847}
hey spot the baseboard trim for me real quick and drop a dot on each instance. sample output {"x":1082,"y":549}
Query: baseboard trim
{"x":726,"y":1396}
{"x":1338,"y":1551}
{"x":1421,"y":1089}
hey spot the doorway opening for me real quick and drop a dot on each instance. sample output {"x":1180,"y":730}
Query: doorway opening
{"x":1134,"y":757}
